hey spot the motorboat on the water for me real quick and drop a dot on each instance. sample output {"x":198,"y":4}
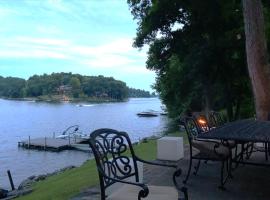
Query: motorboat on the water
{"x":150,"y":113}
{"x":72,"y":132}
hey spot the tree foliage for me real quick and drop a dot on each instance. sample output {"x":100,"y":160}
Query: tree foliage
{"x":197,"y":49}
{"x":12,"y":87}
{"x":74,"y":85}
{"x":132,"y":92}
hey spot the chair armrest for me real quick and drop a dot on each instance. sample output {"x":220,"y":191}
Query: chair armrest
{"x":176,"y":174}
{"x":155,"y":163}
{"x":143,"y":192}
{"x":216,"y":146}
{"x":207,"y":140}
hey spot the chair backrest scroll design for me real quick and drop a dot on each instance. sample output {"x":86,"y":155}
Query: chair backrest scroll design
{"x":110,"y":148}
{"x":191,"y":128}
{"x":202,"y":122}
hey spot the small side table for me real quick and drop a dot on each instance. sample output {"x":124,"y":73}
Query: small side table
{"x":170,"y":148}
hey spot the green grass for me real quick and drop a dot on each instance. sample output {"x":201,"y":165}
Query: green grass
{"x":65,"y":185}
{"x":69,"y":183}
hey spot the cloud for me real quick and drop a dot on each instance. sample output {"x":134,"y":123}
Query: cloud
{"x":42,"y":41}
{"x":122,"y":45}
{"x":118,"y":54}
{"x":31,"y":47}
{"x":108,"y":61}
{"x":137,"y":70}
{"x":31,"y":54}
{"x":58,"y":5}
{"x":4,"y":12}
{"x":117,"y":46}
{"x":82,"y":36}
{"x":51,"y":30}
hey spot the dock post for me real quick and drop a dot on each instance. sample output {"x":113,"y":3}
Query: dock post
{"x":28,"y":141}
{"x":69,"y":139}
{"x":10,"y":180}
{"x":45,"y":143}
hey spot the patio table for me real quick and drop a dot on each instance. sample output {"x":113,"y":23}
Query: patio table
{"x":247,"y":130}
{"x":241,"y":131}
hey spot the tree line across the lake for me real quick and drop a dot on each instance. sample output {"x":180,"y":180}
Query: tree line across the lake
{"x":197,"y":49}
{"x":68,"y":86}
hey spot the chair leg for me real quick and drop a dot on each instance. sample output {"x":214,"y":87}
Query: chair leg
{"x":235,"y":151}
{"x":249,"y":152}
{"x":266,"y":151}
{"x":268,"y":148}
{"x":189,"y":169}
{"x":103,"y":196}
{"x":197,"y":168}
{"x":242,"y":152}
{"x":229,"y":164}
{"x":222,"y":177}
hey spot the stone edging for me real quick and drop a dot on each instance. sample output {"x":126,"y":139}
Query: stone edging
{"x":25,"y":186}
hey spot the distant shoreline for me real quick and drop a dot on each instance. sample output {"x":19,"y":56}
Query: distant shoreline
{"x":71,"y":100}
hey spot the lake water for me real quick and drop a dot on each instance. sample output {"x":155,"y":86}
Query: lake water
{"x":20,"y":119}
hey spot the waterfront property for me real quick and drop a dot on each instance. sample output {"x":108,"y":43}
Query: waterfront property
{"x":248,"y":182}
{"x":81,"y":183}
{"x":211,"y":140}
{"x":21,"y":119}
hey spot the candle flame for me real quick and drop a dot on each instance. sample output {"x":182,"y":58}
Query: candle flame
{"x":201,"y":121}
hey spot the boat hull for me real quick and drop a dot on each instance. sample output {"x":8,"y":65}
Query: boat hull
{"x":144,"y":114}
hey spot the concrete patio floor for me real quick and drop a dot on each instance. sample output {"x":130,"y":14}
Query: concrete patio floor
{"x":249,"y":182}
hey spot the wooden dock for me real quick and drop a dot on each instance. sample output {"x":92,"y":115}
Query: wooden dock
{"x":51,"y":144}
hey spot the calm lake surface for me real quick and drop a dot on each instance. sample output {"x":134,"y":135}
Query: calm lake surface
{"x":20,"y":119}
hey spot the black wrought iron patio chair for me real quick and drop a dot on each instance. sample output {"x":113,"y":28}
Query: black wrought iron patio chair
{"x":208,"y":150}
{"x":246,"y":147}
{"x":207,"y":122}
{"x":214,"y":120}
{"x":116,"y":161}
{"x":217,"y":120}
{"x":202,"y":122}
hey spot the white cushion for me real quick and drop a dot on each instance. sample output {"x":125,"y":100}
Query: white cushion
{"x":130,"y":192}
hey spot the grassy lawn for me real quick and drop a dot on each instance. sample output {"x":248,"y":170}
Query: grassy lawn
{"x":71,"y":182}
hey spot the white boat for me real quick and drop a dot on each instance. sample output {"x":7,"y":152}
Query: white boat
{"x":84,"y":105}
{"x":150,"y":113}
{"x":72,"y":132}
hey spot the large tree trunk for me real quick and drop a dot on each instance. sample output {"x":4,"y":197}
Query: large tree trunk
{"x":256,"y":49}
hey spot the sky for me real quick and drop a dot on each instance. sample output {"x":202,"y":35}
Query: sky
{"x":89,"y":37}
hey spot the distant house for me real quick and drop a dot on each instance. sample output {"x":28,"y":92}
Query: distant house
{"x":101,"y":94}
{"x":104,"y":94}
{"x":64,"y":89}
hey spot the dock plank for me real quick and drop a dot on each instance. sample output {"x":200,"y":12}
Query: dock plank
{"x":54,"y":144}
